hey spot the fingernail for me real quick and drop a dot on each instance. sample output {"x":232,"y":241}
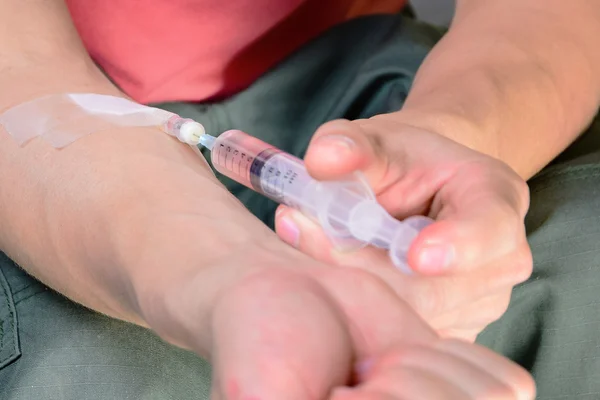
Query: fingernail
{"x":338,"y":141}
{"x":288,"y":231}
{"x":435,"y":258}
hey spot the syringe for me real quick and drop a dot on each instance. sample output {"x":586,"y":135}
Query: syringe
{"x":347,"y":210}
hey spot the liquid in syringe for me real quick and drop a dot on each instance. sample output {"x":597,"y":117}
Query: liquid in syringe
{"x":346,"y":210}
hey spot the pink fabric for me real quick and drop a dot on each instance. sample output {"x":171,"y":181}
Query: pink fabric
{"x":193,"y":50}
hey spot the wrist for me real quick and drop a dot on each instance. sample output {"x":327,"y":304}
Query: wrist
{"x":179,"y":305}
{"x":64,"y":216}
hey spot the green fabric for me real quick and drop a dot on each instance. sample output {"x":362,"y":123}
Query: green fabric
{"x":51,"y":348}
{"x":68,"y":353}
{"x":357,"y":70}
{"x":552,"y":326}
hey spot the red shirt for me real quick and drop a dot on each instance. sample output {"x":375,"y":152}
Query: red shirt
{"x":193,"y":50}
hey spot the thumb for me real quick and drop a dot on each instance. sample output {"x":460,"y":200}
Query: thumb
{"x":341,"y":147}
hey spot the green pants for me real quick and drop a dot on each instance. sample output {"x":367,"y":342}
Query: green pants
{"x":51,"y":348}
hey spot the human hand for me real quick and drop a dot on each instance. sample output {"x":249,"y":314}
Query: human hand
{"x":467,"y":262}
{"x":276,"y":323}
{"x":341,"y":334}
{"x":187,"y":260}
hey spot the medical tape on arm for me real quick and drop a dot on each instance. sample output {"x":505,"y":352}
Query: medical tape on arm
{"x":61,"y":119}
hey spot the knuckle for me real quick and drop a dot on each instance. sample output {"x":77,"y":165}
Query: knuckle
{"x":519,"y":196}
{"x":511,"y":196}
{"x":510,"y":225}
{"x":522,"y":264}
{"x":522,"y":196}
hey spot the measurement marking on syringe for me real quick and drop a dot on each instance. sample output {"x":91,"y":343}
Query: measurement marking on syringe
{"x":347,"y":210}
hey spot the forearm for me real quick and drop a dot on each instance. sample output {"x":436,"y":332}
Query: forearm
{"x":128,"y":222}
{"x":63,"y":213}
{"x":40,"y":54}
{"x":516,"y":79}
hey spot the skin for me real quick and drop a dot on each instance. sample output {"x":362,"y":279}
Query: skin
{"x":460,"y":285}
{"x":307,"y":342}
{"x":514,"y":81}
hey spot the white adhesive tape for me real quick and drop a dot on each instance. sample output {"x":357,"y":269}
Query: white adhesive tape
{"x":61,"y":119}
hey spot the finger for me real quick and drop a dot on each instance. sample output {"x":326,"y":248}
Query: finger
{"x":379,"y":318}
{"x":475,"y":316}
{"x":439,"y":299}
{"x":443,"y":370}
{"x":403,"y":173}
{"x":443,"y":247}
{"x":470,"y":233}
{"x":433,"y":297}
{"x":302,"y":233}
{"x":480,"y":207}
{"x":403,"y":383}
{"x":467,"y":335}
{"x":504,"y":370}
{"x":341,"y":147}
{"x":276,"y":335}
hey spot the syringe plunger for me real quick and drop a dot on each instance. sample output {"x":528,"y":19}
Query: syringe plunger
{"x":346,"y":210}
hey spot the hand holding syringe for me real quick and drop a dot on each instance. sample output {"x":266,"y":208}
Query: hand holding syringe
{"x":347,"y":211}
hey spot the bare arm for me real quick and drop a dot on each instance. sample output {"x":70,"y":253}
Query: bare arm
{"x":85,"y":219}
{"x":40,"y":53}
{"x":516,"y":79}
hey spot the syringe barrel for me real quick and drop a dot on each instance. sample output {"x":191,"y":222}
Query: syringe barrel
{"x":263,"y":168}
{"x":346,"y":210}
{"x":235,"y":154}
{"x":284,"y":179}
